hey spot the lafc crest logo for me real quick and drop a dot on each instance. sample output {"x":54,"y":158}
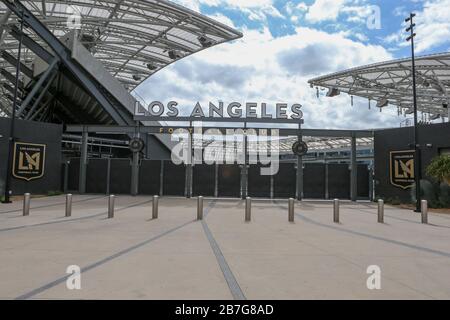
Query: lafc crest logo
{"x":402,"y":169}
{"x":29,"y":161}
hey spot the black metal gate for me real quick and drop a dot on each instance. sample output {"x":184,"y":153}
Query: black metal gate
{"x":338,"y":181}
{"x":285,"y":181}
{"x":150,"y":177}
{"x":363,"y":181}
{"x":229,"y":184}
{"x":314,"y":181}
{"x":203,"y":180}
{"x":258,"y":184}
{"x":97,"y":176}
{"x":120,"y":177}
{"x":174,"y":179}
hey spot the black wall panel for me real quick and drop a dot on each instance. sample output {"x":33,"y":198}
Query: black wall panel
{"x":203,"y":180}
{"x":284,"y":182}
{"x":229,"y":181}
{"x":258,"y":184}
{"x":120,"y":179}
{"x":437,"y":136}
{"x":314,"y":181}
{"x":363,"y":181}
{"x":149,"y":177}
{"x":38,"y":133}
{"x":97,"y":176}
{"x":338,"y":181}
{"x":174,"y":179}
{"x":74,"y":174}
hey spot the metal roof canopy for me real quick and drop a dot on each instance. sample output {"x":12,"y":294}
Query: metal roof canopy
{"x":317,"y":139}
{"x":132,"y":39}
{"x":391,"y":82}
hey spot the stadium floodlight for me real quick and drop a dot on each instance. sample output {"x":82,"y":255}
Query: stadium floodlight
{"x":434,"y":116}
{"x":174,"y":54}
{"x":205,"y":41}
{"x":382,"y":103}
{"x":333,"y":92}
{"x":410,"y":17}
{"x":151,"y":66}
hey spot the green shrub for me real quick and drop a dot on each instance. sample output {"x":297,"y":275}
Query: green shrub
{"x":437,"y":195}
{"x":444,"y":195}
{"x":439,"y":169}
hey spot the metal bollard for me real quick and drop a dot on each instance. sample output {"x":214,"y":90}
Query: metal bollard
{"x":291,"y":210}
{"x":111,"y":207}
{"x":424,"y":207}
{"x":68,"y":205}
{"x":155,"y":207}
{"x":336,"y":211}
{"x":200,"y":208}
{"x":26,"y":204}
{"x":381,"y":211}
{"x":248,"y":209}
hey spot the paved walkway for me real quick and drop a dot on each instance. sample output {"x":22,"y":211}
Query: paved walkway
{"x":177,"y":257}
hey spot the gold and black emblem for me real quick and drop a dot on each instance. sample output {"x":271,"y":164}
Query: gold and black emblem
{"x":29,"y":161}
{"x":402,"y":171}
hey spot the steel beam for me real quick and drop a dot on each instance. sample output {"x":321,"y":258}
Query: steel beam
{"x":32,"y":45}
{"x":64,"y":54}
{"x":300,"y":169}
{"x":13,"y":61}
{"x":8,"y":76}
{"x":3,"y":21}
{"x":135,"y":174}
{"x":83,"y":163}
{"x":46,"y":76}
{"x":41,"y":96}
{"x":155,"y":129}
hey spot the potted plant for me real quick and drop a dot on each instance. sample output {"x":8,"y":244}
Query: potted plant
{"x":439,"y":168}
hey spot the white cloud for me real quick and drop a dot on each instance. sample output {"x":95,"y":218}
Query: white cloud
{"x":433,"y":27}
{"x":324,"y":10}
{"x":262,"y":68}
{"x":223,"y":19}
{"x":254,"y":9}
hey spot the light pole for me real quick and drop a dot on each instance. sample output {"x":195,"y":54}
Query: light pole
{"x":13,"y":118}
{"x":417,"y":162}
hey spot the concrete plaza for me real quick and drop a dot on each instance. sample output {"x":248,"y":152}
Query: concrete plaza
{"x":176,"y":257}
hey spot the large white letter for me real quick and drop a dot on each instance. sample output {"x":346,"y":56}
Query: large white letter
{"x":73,"y":282}
{"x":374,"y":280}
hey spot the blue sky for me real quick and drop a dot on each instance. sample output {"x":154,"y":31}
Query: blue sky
{"x":286,"y":43}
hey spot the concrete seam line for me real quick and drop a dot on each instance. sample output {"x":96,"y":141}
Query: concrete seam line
{"x":233,"y":285}
{"x":74,"y":219}
{"x":361,"y":234}
{"x":52,"y":205}
{"x":99,"y":263}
